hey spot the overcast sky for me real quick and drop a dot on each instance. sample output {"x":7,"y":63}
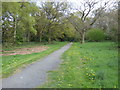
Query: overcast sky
{"x":74,"y":2}
{"x":77,"y":3}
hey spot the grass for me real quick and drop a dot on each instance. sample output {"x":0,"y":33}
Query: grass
{"x":10,"y":64}
{"x":90,"y":65}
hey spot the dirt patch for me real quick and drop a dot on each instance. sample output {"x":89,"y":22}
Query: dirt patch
{"x":23,"y":51}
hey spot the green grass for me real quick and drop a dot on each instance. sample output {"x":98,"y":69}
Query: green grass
{"x":90,"y":65}
{"x":11,"y":63}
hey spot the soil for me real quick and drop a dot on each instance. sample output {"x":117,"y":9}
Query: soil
{"x":23,"y":51}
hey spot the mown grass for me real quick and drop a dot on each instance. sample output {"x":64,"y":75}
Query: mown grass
{"x":90,"y":65}
{"x":11,"y":63}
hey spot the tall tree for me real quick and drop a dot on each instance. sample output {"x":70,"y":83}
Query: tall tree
{"x":84,"y":11}
{"x":17,"y":18}
{"x":53,"y":11}
{"x":10,"y":16}
{"x":41,"y":25}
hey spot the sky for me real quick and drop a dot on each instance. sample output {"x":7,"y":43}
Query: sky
{"x":52,"y":0}
{"x":74,"y":2}
{"x":77,"y":3}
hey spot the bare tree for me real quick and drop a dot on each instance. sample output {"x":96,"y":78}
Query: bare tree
{"x":88,"y":9}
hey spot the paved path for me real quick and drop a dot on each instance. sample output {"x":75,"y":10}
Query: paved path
{"x":35,"y":74}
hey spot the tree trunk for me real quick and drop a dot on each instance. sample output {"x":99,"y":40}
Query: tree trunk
{"x":14,"y":36}
{"x":28,"y":37}
{"x":40,"y":40}
{"x":83,"y":38}
{"x":49,"y":37}
{"x":49,"y":40}
{"x":24,"y":37}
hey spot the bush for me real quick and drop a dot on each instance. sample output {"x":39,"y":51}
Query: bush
{"x":95,"y":35}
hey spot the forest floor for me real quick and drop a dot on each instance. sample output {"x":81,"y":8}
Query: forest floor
{"x":35,"y":74}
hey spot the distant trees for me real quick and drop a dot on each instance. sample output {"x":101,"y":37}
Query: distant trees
{"x":25,"y":21}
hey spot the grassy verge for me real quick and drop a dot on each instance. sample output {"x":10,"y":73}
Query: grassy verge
{"x":91,"y":65}
{"x":11,"y":63}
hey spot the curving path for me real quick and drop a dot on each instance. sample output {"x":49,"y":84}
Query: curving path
{"x":35,"y":74}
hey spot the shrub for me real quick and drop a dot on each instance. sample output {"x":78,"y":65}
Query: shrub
{"x":95,"y":35}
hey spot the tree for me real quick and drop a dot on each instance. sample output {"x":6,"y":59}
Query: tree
{"x":10,"y":15}
{"x":17,"y":18}
{"x":108,"y":22}
{"x":84,"y":11}
{"x":27,"y":20}
{"x":54,"y":12}
{"x":41,"y":23}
